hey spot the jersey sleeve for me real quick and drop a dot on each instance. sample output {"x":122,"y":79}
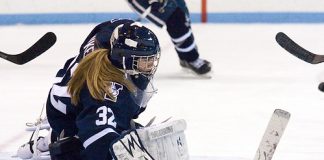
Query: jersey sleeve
{"x":59,"y":110}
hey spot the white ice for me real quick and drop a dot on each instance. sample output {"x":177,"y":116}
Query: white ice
{"x":226,"y":115}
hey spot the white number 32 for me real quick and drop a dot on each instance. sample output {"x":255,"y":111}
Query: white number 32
{"x":106,"y":117}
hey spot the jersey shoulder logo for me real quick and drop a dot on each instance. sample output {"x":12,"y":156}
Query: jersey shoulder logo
{"x":115,"y":88}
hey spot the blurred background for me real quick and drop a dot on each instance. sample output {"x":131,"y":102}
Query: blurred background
{"x":212,"y":11}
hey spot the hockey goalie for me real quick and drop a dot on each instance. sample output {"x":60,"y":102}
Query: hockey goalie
{"x":99,"y":92}
{"x":164,"y":141}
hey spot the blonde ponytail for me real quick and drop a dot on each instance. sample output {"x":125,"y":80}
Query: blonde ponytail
{"x":96,"y":72}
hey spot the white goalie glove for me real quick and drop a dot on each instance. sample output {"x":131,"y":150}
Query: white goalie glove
{"x":164,"y":141}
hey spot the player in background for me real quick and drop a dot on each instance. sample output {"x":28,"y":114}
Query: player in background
{"x":174,"y":15}
{"x":100,"y":91}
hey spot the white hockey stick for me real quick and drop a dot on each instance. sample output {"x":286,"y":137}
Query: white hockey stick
{"x":272,"y":135}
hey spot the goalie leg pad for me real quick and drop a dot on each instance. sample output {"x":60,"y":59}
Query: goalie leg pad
{"x":129,"y":146}
{"x":165,"y":141}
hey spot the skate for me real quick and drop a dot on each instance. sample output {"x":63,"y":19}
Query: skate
{"x":199,"y":66}
{"x":27,"y":150}
{"x":37,"y":148}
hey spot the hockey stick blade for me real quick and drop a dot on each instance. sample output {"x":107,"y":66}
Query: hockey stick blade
{"x":292,"y":47}
{"x":42,"y":45}
{"x":272,"y":135}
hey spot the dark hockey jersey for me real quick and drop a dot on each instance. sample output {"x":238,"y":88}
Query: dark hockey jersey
{"x":96,"y":123}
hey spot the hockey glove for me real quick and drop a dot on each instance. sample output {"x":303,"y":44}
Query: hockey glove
{"x":68,"y":148}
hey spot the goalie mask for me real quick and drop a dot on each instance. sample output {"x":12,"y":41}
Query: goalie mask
{"x":136,"y":51}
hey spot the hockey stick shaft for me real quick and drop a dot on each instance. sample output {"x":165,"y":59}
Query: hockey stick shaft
{"x":272,"y":135}
{"x":292,"y":47}
{"x":42,"y":45}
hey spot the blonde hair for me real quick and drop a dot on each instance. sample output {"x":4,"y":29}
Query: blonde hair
{"x":96,"y":72}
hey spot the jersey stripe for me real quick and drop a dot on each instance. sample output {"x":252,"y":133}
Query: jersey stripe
{"x":97,"y":136}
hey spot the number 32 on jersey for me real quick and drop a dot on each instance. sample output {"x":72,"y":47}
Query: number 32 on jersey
{"x":106,"y":117}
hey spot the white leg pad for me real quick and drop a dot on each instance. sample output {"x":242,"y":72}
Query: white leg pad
{"x":128,"y":147}
{"x":165,"y":141}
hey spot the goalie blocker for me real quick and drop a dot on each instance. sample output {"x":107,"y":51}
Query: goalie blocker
{"x":164,"y":141}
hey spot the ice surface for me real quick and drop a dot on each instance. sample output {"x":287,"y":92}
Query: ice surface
{"x":226,"y":115}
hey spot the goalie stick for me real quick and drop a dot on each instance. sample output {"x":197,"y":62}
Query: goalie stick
{"x":292,"y":47}
{"x":43,"y":44}
{"x":272,"y":135}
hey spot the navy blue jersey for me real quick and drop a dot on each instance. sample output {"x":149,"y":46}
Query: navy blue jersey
{"x":97,"y":123}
